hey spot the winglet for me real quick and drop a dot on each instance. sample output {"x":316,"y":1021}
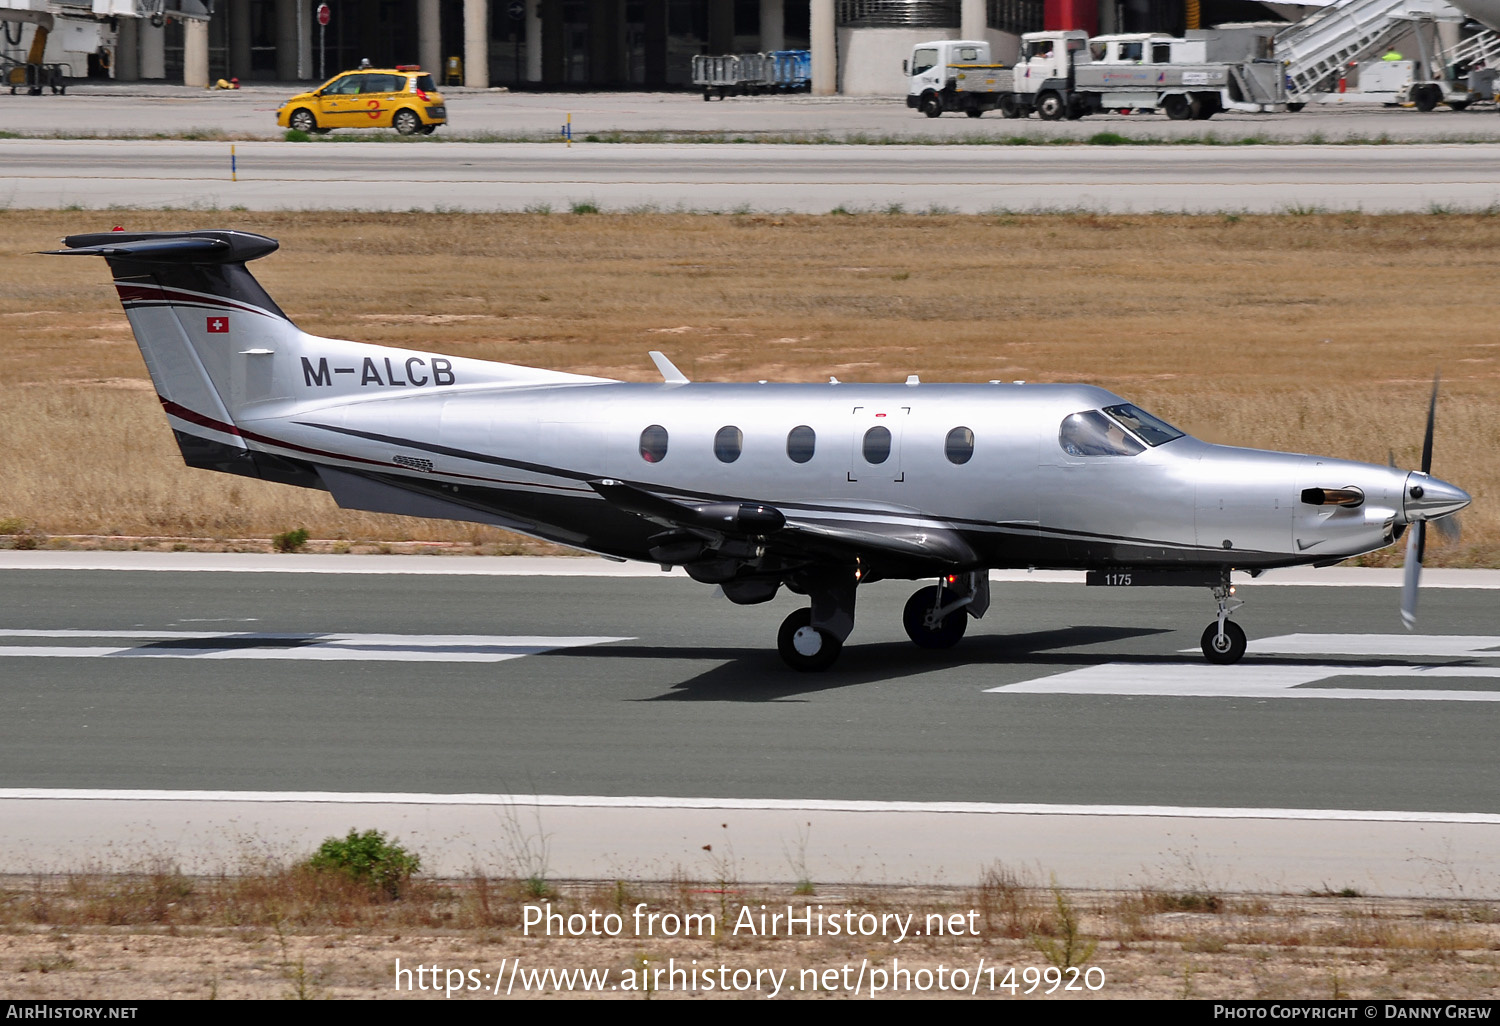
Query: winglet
{"x":669,"y":372}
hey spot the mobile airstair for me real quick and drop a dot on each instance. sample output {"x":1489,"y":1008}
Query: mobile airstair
{"x":1319,"y":51}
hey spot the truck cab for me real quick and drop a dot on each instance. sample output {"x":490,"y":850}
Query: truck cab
{"x":936,"y":70}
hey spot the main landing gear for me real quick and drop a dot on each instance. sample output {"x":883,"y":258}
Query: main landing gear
{"x":935,"y":617}
{"x":1224,"y":640}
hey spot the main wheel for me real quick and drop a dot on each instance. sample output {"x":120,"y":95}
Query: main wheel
{"x":805,"y":647}
{"x":406,"y":121}
{"x":1051,"y":107}
{"x":1008,"y":109}
{"x":975,"y":112}
{"x":932,"y":105}
{"x":302,"y":120}
{"x":1427,"y":97}
{"x":1226,"y":649}
{"x":1458,"y":104}
{"x":1204,"y":106}
{"x":1295,"y":107}
{"x":944,"y":634}
{"x":1177,"y":107}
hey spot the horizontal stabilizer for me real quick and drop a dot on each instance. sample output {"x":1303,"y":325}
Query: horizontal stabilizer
{"x":200,"y":247}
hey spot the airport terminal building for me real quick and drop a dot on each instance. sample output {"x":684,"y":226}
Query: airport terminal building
{"x":856,"y":45}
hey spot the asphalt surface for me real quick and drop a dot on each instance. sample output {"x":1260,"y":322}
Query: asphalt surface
{"x":168,"y":680}
{"x":150,"y":109}
{"x":63,"y":157}
{"x":794,"y":178}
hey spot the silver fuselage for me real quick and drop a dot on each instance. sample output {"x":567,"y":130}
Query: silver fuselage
{"x":522,"y":457}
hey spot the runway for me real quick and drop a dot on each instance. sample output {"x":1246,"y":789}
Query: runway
{"x":726,"y":178}
{"x":1064,"y":707}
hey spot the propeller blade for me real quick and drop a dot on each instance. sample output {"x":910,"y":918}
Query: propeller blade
{"x":1431,"y":417}
{"x":1416,"y":540}
{"x":1449,"y":528}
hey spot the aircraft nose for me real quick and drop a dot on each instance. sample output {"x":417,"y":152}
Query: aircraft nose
{"x":1428,"y":498}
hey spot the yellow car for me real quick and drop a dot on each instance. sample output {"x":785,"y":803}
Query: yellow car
{"x":403,"y":98}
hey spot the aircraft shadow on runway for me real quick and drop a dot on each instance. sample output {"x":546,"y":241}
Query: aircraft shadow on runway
{"x":759,"y":675}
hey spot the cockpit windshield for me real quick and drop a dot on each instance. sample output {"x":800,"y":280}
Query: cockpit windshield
{"x":1091,"y":433}
{"x":1151,"y":430}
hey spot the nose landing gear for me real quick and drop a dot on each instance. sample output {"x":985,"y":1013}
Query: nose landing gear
{"x":1224,"y":640}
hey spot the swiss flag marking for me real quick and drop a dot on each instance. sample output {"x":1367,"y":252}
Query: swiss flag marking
{"x":218,"y":324}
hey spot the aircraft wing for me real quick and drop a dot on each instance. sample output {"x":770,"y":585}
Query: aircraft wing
{"x":707,"y":529}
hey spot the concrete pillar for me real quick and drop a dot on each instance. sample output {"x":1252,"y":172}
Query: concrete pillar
{"x":655,"y":30}
{"x":195,"y":53}
{"x":430,"y":38}
{"x":772,"y":25}
{"x":720,"y":26}
{"x":128,"y":51}
{"x":533,"y":40}
{"x":153,"y":50}
{"x":972,"y":20}
{"x":822,"y":39}
{"x":306,"y":20}
{"x":286,"y":40}
{"x":477,"y":44}
{"x":239,"y":39}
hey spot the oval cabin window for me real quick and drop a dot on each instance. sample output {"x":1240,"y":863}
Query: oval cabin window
{"x":728,"y":444}
{"x":654,"y":444}
{"x":801,"y":441}
{"x":959,"y":445}
{"x":877,"y":445}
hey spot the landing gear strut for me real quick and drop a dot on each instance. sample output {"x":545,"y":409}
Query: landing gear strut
{"x":1224,"y":640}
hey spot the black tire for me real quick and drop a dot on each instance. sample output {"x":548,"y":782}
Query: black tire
{"x":1009,"y":109}
{"x":1227,"y":650}
{"x":1177,"y":107}
{"x":1204,"y":106}
{"x":1427,"y":97}
{"x":975,"y":112}
{"x":931,"y":105}
{"x":1051,"y":106}
{"x":945,"y":634}
{"x":1295,"y":107}
{"x":1459,"y":104}
{"x":302,"y":120}
{"x":791,"y":633}
{"x":406,"y":122}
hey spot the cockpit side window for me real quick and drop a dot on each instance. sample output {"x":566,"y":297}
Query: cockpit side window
{"x":1152,"y":430}
{"x":1093,"y":434}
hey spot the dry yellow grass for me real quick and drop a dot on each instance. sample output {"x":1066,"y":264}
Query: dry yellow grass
{"x":1309,"y":333}
{"x":274,"y":929}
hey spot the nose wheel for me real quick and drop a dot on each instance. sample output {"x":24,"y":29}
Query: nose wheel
{"x":805,"y":647}
{"x":1223,"y":646}
{"x":1224,"y":640}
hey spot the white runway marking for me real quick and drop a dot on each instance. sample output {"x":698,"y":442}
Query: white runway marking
{"x":583,"y":801}
{"x":430,"y":648}
{"x":1290,"y":680}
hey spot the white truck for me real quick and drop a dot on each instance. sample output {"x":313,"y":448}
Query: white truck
{"x":1065,"y":74}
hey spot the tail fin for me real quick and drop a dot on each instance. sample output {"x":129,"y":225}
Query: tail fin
{"x":222,"y":354}
{"x":206,"y":329}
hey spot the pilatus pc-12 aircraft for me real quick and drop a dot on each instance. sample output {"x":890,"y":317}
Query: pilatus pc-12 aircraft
{"x":818,"y":487}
